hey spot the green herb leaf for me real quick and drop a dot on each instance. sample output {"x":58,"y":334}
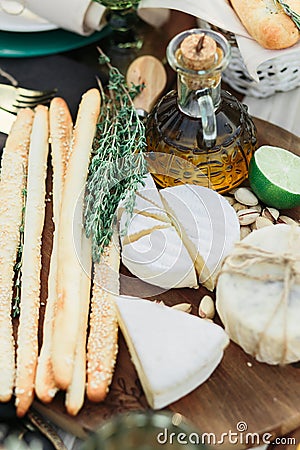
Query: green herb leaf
{"x":118,"y":164}
{"x":18,"y":264}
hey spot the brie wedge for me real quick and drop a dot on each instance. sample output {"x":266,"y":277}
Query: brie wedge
{"x":207,"y":224}
{"x":145,"y":207}
{"x":161,"y":259}
{"x":150,"y":192}
{"x":173,"y":352}
{"x":138,"y":226}
{"x":258,"y":294}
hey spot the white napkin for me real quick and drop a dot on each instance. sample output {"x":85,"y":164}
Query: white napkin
{"x":84,"y":17}
{"x":80,"y":16}
{"x":282,"y":109}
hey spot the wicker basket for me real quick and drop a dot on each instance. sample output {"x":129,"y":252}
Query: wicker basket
{"x":280,"y":74}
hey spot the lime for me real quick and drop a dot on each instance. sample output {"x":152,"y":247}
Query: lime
{"x":274,"y":176}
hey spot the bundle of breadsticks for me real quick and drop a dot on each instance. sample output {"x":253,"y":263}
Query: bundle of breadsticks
{"x":79,"y":337}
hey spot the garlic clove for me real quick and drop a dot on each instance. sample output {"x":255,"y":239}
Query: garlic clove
{"x":207,"y":308}
{"x":185,"y":307}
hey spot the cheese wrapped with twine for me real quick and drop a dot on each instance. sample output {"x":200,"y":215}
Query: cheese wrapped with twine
{"x":258,"y":294}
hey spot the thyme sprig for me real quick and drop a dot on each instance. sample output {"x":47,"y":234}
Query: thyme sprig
{"x":18,"y":264}
{"x":118,"y":164}
{"x":290,"y":12}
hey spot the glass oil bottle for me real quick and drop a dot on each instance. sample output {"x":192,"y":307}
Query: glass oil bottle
{"x":199,"y":134}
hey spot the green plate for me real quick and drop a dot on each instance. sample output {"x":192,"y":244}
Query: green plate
{"x":21,"y":45}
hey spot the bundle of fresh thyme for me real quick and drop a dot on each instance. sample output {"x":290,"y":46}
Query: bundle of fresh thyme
{"x":290,"y":12}
{"x":118,"y":164}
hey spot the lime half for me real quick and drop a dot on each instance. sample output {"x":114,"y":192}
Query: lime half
{"x":274,"y":176}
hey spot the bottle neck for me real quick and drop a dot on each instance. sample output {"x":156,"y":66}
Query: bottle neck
{"x":191,"y":91}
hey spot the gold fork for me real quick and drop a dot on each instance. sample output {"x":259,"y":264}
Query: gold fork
{"x":13,"y":98}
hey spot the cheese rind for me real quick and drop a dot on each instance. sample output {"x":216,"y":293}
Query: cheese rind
{"x":260,"y":308}
{"x":173,"y":352}
{"x":161,"y":259}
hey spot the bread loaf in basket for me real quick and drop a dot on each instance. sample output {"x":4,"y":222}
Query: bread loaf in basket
{"x":279,"y":74}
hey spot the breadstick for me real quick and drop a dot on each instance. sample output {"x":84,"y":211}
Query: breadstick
{"x":27,"y":350}
{"x":76,"y":390}
{"x":67,"y":316}
{"x":267,"y":23}
{"x":103,"y":336}
{"x":12,"y":183}
{"x":61,"y":128}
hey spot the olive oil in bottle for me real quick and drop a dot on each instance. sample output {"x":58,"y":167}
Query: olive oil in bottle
{"x":199,"y":134}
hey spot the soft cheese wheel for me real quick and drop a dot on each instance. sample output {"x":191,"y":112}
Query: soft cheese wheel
{"x":173,"y":352}
{"x":207,"y":224}
{"x":160,"y":258}
{"x":258,"y":294}
{"x":207,"y":228}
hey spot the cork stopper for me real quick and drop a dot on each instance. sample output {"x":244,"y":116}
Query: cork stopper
{"x":198,"y":51}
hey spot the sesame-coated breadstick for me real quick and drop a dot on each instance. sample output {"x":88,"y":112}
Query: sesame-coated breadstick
{"x":103,"y":336}
{"x":67,"y":317}
{"x":61,"y":130}
{"x":27,"y":350}
{"x":76,"y":390}
{"x":12,"y":184}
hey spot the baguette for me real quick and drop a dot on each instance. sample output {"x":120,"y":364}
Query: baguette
{"x":12,"y":183}
{"x":67,"y":316}
{"x":267,"y":23}
{"x":76,"y":390}
{"x":103,"y":336}
{"x":61,"y":129}
{"x":27,"y":348}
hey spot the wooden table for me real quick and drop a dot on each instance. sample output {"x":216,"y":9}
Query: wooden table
{"x":266,"y":398}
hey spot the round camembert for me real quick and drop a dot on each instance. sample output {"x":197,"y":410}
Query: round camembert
{"x":178,"y":236}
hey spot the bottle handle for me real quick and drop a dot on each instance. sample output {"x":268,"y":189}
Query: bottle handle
{"x":209,"y":125}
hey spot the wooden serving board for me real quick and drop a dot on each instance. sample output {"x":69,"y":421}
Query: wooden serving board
{"x":266,"y":398}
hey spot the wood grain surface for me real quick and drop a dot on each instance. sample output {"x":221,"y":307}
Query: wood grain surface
{"x":266,"y":398}
{"x":288,"y":442}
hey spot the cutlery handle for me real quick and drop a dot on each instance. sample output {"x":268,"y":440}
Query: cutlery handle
{"x":149,"y":71}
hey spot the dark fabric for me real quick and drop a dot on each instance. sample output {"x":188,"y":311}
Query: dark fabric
{"x":70,"y":77}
